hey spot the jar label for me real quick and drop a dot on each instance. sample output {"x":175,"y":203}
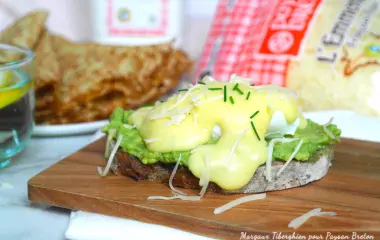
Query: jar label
{"x":139,"y":18}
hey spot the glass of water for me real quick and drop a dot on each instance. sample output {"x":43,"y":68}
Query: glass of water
{"x":16,"y":100}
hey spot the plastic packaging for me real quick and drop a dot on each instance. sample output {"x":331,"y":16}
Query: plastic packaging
{"x":328,"y":51}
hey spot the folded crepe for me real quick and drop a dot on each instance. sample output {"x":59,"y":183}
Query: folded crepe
{"x":47,"y":77}
{"x":97,"y":78}
{"x":82,"y":82}
{"x":25,"y":32}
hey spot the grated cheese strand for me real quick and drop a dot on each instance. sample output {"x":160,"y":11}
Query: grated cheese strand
{"x":172,"y":176}
{"x":239,"y":201}
{"x":232,"y":151}
{"x":111,"y":158}
{"x":110,"y":136}
{"x":236,"y":79}
{"x":180,"y":100}
{"x":211,"y":100}
{"x":186,"y":198}
{"x":175,"y":120}
{"x":161,"y":197}
{"x":195,"y":99}
{"x":268,"y":167}
{"x":297,"y":222}
{"x":205,"y":177}
{"x":327,"y":214}
{"x":328,"y":132}
{"x":296,"y":150}
{"x":150,"y":140}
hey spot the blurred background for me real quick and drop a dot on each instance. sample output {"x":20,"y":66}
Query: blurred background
{"x":81,"y":20}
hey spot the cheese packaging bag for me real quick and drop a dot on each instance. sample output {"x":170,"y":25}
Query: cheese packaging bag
{"x":327,"y":51}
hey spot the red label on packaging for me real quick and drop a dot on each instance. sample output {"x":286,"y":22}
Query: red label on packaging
{"x":256,"y":39}
{"x":288,"y":27}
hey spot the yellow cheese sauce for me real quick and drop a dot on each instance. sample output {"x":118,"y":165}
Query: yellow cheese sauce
{"x":186,"y":122}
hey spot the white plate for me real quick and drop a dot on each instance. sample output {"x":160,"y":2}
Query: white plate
{"x":68,"y":129}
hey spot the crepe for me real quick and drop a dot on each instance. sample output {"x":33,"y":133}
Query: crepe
{"x":25,"y":32}
{"x":87,"y":67}
{"x":47,"y":76}
{"x":97,"y":78}
{"x":82,"y":82}
{"x":47,"y":73}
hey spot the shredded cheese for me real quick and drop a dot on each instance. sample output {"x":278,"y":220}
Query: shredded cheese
{"x":195,"y":99}
{"x":111,"y":158}
{"x":297,"y":222}
{"x":205,"y":177}
{"x":162,"y":197}
{"x":180,"y":100}
{"x":239,"y":201}
{"x":236,"y":79}
{"x":268,"y":166}
{"x":328,"y":132}
{"x":150,"y":140}
{"x":177,"y":194}
{"x":182,"y":197}
{"x":296,"y":150}
{"x":175,"y":120}
{"x":172,"y":176}
{"x":111,"y":134}
{"x":210,"y":100}
{"x":208,"y":79}
{"x":233,"y":149}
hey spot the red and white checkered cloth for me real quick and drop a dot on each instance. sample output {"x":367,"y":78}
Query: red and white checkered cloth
{"x":251,"y":44}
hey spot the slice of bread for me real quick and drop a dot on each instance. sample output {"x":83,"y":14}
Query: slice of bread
{"x":296,"y":174}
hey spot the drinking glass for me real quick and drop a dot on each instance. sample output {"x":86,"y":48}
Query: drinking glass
{"x":16,"y":100}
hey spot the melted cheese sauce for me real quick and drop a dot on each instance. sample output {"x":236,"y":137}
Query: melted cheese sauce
{"x":186,"y":122}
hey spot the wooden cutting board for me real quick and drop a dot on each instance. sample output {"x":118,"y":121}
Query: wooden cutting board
{"x":351,"y":189}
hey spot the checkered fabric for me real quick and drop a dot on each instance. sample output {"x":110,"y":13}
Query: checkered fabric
{"x":245,"y":44}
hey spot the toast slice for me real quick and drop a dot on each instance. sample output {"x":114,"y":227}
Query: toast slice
{"x":296,"y":174}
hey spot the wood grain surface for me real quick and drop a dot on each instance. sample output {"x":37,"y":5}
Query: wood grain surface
{"x":351,"y":189}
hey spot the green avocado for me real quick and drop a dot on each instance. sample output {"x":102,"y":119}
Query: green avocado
{"x":313,"y":135}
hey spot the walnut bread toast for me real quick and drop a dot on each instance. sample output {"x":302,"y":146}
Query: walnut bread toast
{"x":223,"y":137}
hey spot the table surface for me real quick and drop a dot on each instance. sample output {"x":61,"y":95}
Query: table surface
{"x":19,"y":218}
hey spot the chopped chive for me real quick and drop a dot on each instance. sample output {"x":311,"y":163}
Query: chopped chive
{"x":202,"y":83}
{"x":225,"y":93}
{"x":254,"y":129}
{"x":237,"y":89}
{"x":249,"y":94}
{"x":183,"y":90}
{"x":232,"y":100}
{"x":240,"y":91}
{"x":252,"y":85}
{"x":212,"y":89}
{"x":253,"y":115}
